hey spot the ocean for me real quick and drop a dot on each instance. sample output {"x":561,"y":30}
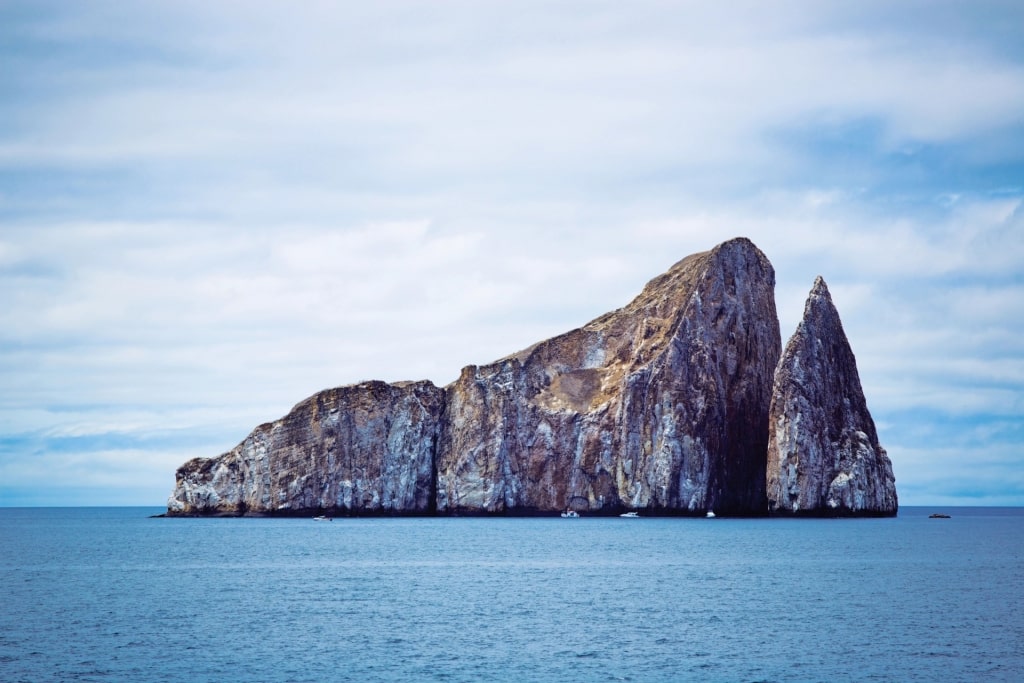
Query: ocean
{"x":110,"y":594}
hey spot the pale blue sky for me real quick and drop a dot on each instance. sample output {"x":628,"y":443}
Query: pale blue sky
{"x":209,"y":211}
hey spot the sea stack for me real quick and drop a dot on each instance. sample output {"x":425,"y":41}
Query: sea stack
{"x":824,"y":458}
{"x":659,"y":406}
{"x":662,"y":406}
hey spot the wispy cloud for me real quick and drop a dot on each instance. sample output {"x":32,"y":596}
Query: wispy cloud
{"x":208,"y":212}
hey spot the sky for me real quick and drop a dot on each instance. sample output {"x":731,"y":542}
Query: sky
{"x":210,"y":211}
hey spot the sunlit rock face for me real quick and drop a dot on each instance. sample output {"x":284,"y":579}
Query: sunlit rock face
{"x":823,"y":453}
{"x":661,"y":405}
{"x":365,"y":448}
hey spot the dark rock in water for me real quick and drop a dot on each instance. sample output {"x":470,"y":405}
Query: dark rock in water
{"x":362,"y":448}
{"x":660,"y":406}
{"x":823,"y":454}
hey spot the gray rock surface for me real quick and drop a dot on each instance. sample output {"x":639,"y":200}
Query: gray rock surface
{"x":363,"y":448}
{"x":823,"y":452}
{"x":660,"y":406}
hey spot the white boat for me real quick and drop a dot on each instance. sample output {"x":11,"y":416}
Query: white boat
{"x":321,"y":518}
{"x":570,"y":514}
{"x":710,"y":514}
{"x":630,"y":515}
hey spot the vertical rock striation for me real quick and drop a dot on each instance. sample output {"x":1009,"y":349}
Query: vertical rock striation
{"x":668,"y":405}
{"x":365,"y":448}
{"x":823,"y":452}
{"x":661,"y":405}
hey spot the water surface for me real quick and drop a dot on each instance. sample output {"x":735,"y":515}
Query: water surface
{"x":108,"y":594}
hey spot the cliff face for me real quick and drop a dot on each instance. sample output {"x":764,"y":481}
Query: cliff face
{"x":662,"y":406}
{"x":367,"y":447}
{"x":823,"y":450}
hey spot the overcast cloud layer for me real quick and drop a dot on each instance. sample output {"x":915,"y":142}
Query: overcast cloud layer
{"x":208,"y":213}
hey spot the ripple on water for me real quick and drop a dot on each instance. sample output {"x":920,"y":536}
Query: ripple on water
{"x":121,"y":597}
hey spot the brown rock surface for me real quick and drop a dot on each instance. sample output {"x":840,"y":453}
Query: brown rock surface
{"x":823,"y":454}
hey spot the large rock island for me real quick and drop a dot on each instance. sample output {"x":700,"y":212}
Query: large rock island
{"x":660,"y":406}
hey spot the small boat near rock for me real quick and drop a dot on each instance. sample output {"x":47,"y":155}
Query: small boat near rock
{"x":322,"y":518}
{"x":938,"y":515}
{"x":570,"y":514}
{"x":630,"y":515}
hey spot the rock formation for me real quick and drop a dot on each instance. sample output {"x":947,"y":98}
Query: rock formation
{"x":661,"y":406}
{"x":367,"y":447}
{"x":823,"y":450}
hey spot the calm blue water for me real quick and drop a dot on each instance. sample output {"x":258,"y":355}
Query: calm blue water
{"x":110,"y":595}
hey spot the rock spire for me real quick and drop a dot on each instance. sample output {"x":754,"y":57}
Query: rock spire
{"x":823,"y":452}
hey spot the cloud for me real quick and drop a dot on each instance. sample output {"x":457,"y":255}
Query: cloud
{"x":211,"y":211}
{"x":951,"y":476}
{"x":499,"y":91}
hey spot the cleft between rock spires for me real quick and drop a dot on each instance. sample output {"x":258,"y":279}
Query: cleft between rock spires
{"x":660,"y":406}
